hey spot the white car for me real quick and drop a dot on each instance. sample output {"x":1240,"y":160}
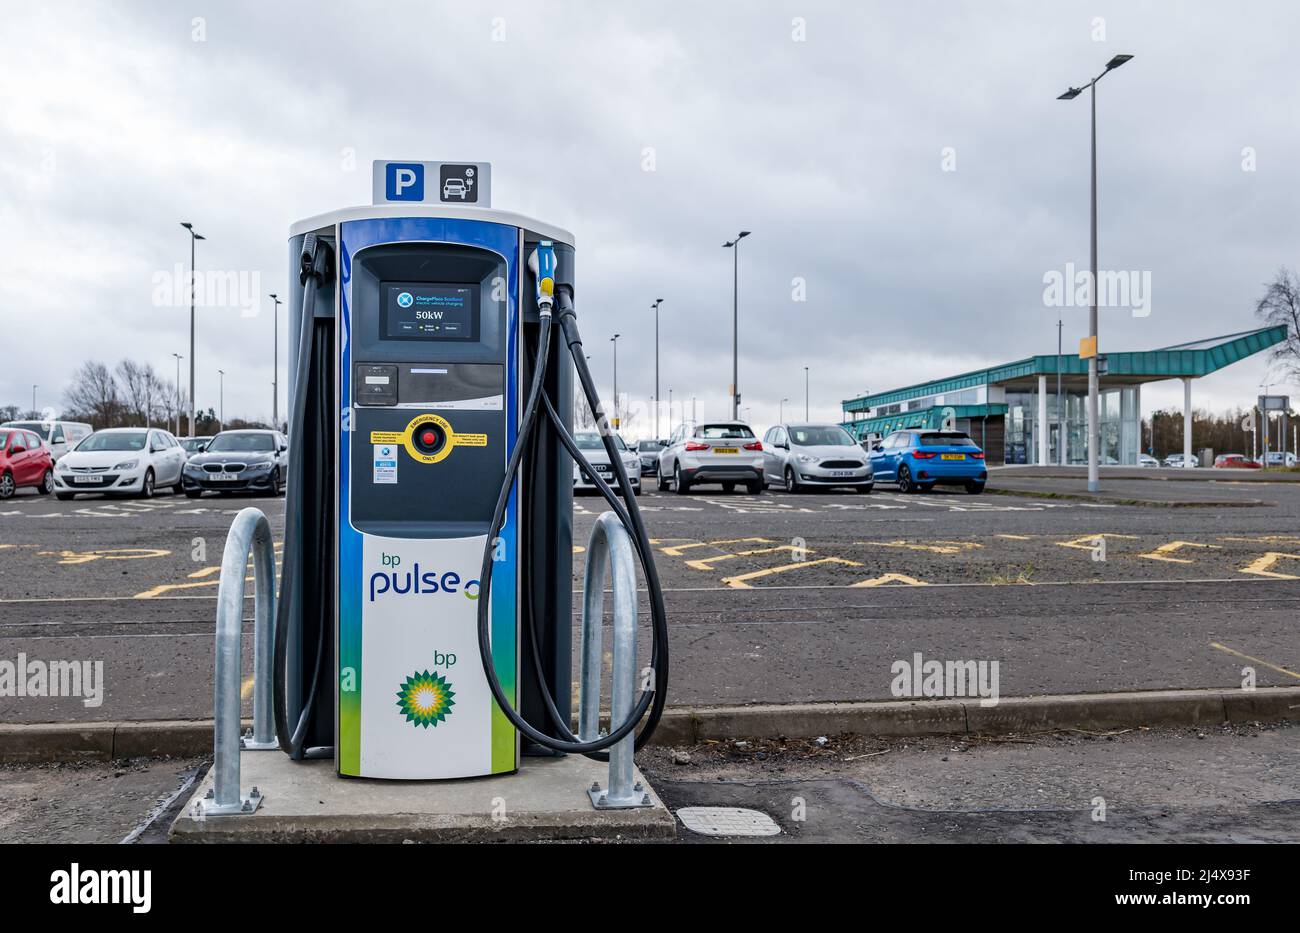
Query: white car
{"x":59,"y":436}
{"x":1146,"y":460}
{"x":597,"y":460}
{"x":122,"y":461}
{"x":1178,"y":460}
{"x":725,"y":452}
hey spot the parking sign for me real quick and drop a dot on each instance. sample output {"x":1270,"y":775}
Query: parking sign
{"x":457,"y":183}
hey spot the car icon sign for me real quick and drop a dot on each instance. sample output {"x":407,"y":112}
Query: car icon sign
{"x":454,"y":188}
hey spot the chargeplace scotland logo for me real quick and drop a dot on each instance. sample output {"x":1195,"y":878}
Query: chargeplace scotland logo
{"x":404,"y":300}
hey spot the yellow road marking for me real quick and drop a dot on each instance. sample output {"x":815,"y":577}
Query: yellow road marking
{"x":205,"y":572}
{"x":706,"y":563}
{"x":578,"y":549}
{"x":676,"y":550}
{"x":739,"y":582}
{"x":1269,"y":539}
{"x":1260,"y":566}
{"x":246,"y":688}
{"x":1088,"y":542}
{"x":938,"y":547}
{"x":168,"y":587}
{"x":1274,"y":667}
{"x":890,"y":578}
{"x":85,"y":557}
{"x":1163,"y":552}
{"x":1016,"y":537}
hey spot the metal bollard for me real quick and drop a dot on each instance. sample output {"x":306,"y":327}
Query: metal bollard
{"x":610,"y":545}
{"x":250,"y":532}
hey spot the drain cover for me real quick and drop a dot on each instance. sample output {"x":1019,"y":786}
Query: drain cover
{"x":727,"y":821}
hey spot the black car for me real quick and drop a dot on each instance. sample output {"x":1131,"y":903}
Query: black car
{"x":648,"y":451}
{"x":250,"y":460}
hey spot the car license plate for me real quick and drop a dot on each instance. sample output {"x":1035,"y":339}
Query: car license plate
{"x":224,"y":477}
{"x":952,"y":456}
{"x":726,"y":450}
{"x":90,"y":479}
{"x":841,"y":472}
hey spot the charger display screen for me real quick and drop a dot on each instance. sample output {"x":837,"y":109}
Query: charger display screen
{"x":429,"y":311}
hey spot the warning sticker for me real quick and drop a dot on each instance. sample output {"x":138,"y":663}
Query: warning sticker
{"x":387,"y":437}
{"x":385,"y":463}
{"x":470,"y":440}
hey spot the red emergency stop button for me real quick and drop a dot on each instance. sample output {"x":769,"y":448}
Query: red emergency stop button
{"x":429,"y":439}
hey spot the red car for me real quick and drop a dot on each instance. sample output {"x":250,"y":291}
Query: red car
{"x":24,"y":461}
{"x":1235,"y":461}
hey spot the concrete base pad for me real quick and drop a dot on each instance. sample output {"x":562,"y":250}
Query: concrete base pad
{"x":307,"y":802}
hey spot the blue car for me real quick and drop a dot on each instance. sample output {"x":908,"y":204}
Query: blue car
{"x":920,"y":460}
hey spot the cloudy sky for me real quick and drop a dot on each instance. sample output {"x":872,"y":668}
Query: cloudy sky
{"x":908,"y":163}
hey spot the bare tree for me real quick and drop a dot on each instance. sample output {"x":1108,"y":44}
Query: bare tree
{"x":136,"y":383}
{"x":1280,"y":306}
{"x":94,"y":395}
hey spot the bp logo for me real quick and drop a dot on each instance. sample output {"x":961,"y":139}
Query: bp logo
{"x":405,"y":300}
{"x":425,"y":699}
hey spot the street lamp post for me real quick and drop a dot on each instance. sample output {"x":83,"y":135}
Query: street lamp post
{"x":657,"y":403}
{"x":734,"y":246}
{"x":178,"y":392}
{"x":34,"y":388}
{"x":1094,"y":427}
{"x":194,"y":238}
{"x":614,"y":341}
{"x":806,"y":416}
{"x":780,"y":418}
{"x":275,"y":366}
{"x":221,"y":397}
{"x":670,"y":412}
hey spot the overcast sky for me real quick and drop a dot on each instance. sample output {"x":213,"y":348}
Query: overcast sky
{"x":655,"y":131}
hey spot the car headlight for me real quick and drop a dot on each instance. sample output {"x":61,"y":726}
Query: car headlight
{"x":127,"y":465}
{"x":193,"y":468}
{"x":259,"y":467}
{"x":804,"y":458}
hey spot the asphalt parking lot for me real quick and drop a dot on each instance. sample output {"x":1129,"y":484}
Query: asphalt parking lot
{"x":772,"y":598}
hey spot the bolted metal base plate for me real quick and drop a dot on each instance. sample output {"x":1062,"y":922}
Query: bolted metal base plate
{"x":246,"y":741}
{"x":601,"y":800}
{"x":208,"y":806}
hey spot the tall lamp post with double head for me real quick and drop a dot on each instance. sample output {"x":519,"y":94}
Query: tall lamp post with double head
{"x":1094,"y":427}
{"x":194,"y":238}
{"x":734,"y":246}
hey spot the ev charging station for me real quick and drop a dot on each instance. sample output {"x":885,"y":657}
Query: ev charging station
{"x":425,"y":613}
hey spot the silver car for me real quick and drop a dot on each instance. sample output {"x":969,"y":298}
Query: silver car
{"x":593,"y":452}
{"x":799,"y":456}
{"x":725,"y":452}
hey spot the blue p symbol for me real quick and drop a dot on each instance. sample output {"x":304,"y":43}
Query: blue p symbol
{"x":404,"y":181}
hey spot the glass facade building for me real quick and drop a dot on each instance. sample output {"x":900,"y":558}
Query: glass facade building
{"x":1014,"y":412}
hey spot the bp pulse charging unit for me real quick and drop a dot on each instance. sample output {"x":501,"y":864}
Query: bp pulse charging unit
{"x":417,"y":333}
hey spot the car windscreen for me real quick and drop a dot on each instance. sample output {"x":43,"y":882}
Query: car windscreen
{"x":649,"y":445}
{"x":117,"y":440}
{"x":192,"y":444}
{"x":42,"y":430}
{"x":724,"y":431}
{"x":824,"y":436}
{"x":241,"y":443}
{"x":947,"y":439}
